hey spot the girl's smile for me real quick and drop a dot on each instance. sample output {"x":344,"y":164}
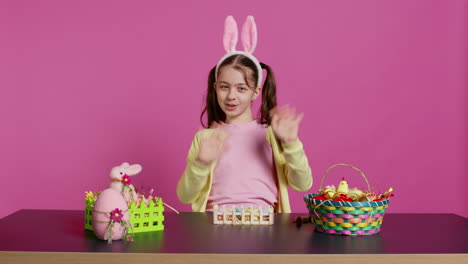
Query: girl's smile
{"x":231,"y":107}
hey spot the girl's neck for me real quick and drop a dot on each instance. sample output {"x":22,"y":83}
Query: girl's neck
{"x":240,"y":120}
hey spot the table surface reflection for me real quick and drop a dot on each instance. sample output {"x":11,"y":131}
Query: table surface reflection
{"x":62,"y":231}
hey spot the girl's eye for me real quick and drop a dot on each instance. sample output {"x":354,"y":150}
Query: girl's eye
{"x":242,"y":89}
{"x":224,"y":87}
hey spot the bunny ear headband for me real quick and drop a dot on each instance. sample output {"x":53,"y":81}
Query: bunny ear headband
{"x":249,"y":41}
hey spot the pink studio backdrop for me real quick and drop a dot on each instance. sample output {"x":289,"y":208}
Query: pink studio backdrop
{"x":87,"y":85}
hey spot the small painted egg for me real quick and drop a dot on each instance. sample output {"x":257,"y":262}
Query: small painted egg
{"x":108,"y":201}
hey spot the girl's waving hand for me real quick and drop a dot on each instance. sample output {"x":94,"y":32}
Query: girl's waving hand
{"x":285,"y":123}
{"x":210,"y":147}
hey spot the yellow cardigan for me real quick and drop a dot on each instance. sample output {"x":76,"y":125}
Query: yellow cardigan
{"x":292,"y":168}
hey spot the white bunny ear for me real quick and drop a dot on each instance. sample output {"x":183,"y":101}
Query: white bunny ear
{"x":249,"y":35}
{"x":125,"y":165}
{"x":230,"y":34}
{"x":133,"y":170}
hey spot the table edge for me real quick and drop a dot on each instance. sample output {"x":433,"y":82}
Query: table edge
{"x":162,"y":258}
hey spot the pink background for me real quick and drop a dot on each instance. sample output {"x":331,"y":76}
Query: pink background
{"x":86,"y":85}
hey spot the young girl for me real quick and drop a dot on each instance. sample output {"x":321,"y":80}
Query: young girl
{"x":241,"y":161}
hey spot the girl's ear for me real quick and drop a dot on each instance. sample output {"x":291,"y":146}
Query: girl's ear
{"x":257,"y":92}
{"x":249,"y":35}
{"x":230,"y":34}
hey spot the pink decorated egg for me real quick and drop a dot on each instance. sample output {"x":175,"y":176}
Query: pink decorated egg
{"x":109,"y":205}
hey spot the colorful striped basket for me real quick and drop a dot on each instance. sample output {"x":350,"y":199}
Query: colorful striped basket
{"x":346,"y":218}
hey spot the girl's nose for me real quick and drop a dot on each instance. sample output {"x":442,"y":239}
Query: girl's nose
{"x":231,"y":94}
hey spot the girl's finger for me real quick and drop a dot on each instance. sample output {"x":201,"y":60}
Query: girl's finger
{"x":217,"y":124}
{"x":286,"y":109}
{"x":220,"y":135}
{"x":293,"y":112}
{"x":287,"y":114}
{"x":282,"y":109}
{"x":298,"y":118}
{"x":273,"y":112}
{"x":274,"y":121}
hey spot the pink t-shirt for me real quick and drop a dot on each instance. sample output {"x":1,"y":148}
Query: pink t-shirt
{"x":244,"y":173}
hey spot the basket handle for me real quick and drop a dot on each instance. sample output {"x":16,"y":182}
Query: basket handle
{"x":342,"y":164}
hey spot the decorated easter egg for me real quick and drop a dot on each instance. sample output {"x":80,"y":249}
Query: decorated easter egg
{"x":109,"y":215}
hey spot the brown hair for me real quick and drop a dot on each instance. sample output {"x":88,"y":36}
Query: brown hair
{"x":247,"y":67}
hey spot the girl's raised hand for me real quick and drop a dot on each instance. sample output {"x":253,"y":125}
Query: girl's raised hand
{"x":210,"y":147}
{"x":285,"y":123}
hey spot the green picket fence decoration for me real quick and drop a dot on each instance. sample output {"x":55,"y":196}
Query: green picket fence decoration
{"x":144,"y":218}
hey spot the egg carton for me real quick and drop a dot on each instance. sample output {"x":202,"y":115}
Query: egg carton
{"x":243,"y":216}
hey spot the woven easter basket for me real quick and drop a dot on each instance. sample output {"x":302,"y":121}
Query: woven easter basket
{"x":346,"y":218}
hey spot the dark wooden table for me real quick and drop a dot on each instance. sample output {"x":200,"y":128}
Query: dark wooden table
{"x":59,"y":235}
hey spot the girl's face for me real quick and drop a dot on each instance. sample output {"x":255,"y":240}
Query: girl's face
{"x":235,"y":96}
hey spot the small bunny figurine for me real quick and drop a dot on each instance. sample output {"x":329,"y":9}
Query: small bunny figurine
{"x":121,"y":181}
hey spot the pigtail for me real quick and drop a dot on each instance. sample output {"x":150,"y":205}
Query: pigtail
{"x":212,"y":108}
{"x":268,"y":95}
